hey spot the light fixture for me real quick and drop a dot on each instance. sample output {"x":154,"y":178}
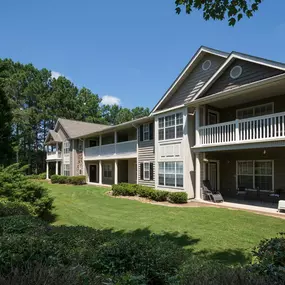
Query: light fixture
{"x":264,"y":152}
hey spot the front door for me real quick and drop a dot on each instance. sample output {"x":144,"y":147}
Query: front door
{"x":213,"y":174}
{"x":93,"y":173}
{"x":213,"y":117}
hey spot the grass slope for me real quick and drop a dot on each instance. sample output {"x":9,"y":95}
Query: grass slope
{"x":222,"y":234}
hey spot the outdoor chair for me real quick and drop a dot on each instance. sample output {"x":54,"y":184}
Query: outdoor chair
{"x":214,"y":196}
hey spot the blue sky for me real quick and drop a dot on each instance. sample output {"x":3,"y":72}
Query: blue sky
{"x":130,"y":50}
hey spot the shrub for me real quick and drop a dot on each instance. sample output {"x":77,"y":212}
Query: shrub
{"x":21,"y":225}
{"x":42,"y":176}
{"x":15,"y":208}
{"x":124,"y":189}
{"x":270,"y":258}
{"x":200,"y":272}
{"x":144,"y":191}
{"x":77,"y":180}
{"x":177,"y":197}
{"x":158,"y":195}
{"x":152,"y":259}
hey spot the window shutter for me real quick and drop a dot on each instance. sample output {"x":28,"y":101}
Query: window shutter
{"x":141,"y":133}
{"x":151,"y":131}
{"x":151,"y":171}
{"x":141,"y":171}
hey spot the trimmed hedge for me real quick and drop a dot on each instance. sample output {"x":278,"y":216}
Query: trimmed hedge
{"x":75,"y":180}
{"x":177,"y":197}
{"x":126,"y":189}
{"x":40,"y":176}
{"x":15,"y":208}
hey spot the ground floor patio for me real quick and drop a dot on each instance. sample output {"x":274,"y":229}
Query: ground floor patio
{"x":111,"y":171}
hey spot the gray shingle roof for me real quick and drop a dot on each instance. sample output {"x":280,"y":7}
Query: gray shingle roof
{"x":77,"y":128}
{"x":56,"y":137}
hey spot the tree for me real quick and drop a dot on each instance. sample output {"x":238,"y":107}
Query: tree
{"x":110,"y":113}
{"x":140,"y":112}
{"x":233,"y":10}
{"x":6,"y":118}
{"x":124,"y":115}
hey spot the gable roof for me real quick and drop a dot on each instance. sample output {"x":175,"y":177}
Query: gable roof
{"x":54,"y":135}
{"x":77,"y":128}
{"x":185,"y":72}
{"x":234,"y":56}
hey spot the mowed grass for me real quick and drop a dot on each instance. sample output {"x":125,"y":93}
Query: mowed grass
{"x":225,"y":235}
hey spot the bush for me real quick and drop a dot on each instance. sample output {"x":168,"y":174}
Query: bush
{"x":15,"y":187}
{"x":124,"y":189}
{"x":77,"y":180}
{"x":177,"y":197}
{"x":200,"y":272}
{"x":15,"y":208}
{"x":158,"y":195}
{"x":270,"y":258}
{"x":152,"y":260}
{"x":42,"y":176}
{"x":144,"y":191}
{"x":22,"y":225}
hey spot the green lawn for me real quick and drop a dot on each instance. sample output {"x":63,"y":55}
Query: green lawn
{"x":222,"y":234}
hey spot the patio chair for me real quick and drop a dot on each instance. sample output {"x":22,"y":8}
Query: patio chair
{"x":214,"y":196}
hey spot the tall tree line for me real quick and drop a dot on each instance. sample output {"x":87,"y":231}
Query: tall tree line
{"x":31,"y":101}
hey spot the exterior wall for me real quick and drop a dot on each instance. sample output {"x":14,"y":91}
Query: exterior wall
{"x":146,"y":153}
{"x":132,"y":171}
{"x":251,"y":72}
{"x":185,"y":154}
{"x":228,"y":166}
{"x":194,"y":82}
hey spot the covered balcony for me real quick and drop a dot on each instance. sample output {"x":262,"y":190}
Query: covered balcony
{"x":117,"y":144}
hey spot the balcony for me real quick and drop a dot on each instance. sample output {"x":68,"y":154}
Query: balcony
{"x":121,"y":150}
{"x":256,"y":129}
{"x":54,"y":155}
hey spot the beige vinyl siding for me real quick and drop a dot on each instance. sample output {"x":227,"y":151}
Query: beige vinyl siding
{"x":251,"y":72}
{"x":194,"y":82}
{"x":146,"y":154}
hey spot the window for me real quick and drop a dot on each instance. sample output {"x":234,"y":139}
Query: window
{"x":170,"y":174}
{"x":206,"y":65}
{"x":107,"y":173}
{"x":170,"y":127}
{"x":236,"y":72}
{"x":146,"y":172}
{"x":255,"y":111}
{"x":66,"y":147}
{"x":146,"y":132}
{"x":93,"y":143}
{"x":66,"y":169}
{"x":255,"y":174}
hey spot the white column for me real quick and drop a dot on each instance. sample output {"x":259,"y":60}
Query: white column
{"x":83,"y":157}
{"x":237,"y":129}
{"x":100,"y":171}
{"x":56,"y":149}
{"x":197,"y":177}
{"x":116,"y":172}
{"x":197,"y":125}
{"x":47,"y":170}
{"x":56,"y":167}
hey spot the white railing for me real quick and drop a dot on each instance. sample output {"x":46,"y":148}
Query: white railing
{"x":53,"y":155}
{"x":267,"y":127}
{"x":128,"y":148}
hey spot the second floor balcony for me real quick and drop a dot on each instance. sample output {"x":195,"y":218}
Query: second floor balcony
{"x":254,"y":129}
{"x":54,"y":155}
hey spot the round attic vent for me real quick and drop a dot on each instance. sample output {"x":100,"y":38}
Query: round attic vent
{"x":206,"y":64}
{"x":236,"y":72}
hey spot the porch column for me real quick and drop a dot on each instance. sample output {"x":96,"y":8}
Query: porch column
{"x":83,"y":157}
{"x":47,"y":171}
{"x":116,"y":172}
{"x":197,"y":177}
{"x":100,"y":171}
{"x":56,"y":167}
{"x":197,"y":125}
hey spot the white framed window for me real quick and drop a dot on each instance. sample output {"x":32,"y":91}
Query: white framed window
{"x":146,"y":171}
{"x":66,"y":169}
{"x":255,"y":111}
{"x":146,"y":132}
{"x":206,"y":65}
{"x":170,"y":174}
{"x":236,"y":72}
{"x":170,"y":127}
{"x":255,"y":174}
{"x":107,"y":171}
{"x":66,"y":147}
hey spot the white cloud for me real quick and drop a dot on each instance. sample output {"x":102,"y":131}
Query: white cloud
{"x":110,"y":100}
{"x":55,"y":74}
